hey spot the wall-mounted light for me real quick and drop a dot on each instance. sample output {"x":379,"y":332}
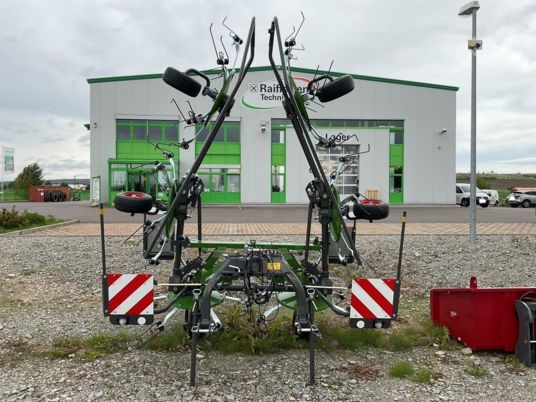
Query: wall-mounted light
{"x":94,"y":125}
{"x":263,"y":126}
{"x":444,"y":131}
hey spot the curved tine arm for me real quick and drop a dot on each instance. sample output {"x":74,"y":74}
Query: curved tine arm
{"x":200,"y":74}
{"x":249,"y":49}
{"x":317,"y":79}
{"x":250,"y":43}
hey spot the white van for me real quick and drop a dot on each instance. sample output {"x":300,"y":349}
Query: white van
{"x":493,"y":196}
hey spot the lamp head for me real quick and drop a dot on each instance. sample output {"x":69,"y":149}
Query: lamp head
{"x":468,"y":9}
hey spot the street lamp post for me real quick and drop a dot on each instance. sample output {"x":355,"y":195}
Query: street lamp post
{"x":470,"y":9}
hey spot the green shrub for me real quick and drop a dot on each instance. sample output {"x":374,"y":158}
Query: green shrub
{"x":401,"y":370}
{"x":33,"y":218}
{"x":11,"y":219}
{"x":423,"y":375}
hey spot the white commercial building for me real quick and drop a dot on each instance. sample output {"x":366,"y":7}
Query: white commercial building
{"x":256,"y":158}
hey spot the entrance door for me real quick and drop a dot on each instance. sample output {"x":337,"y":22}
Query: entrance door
{"x":138,"y":181}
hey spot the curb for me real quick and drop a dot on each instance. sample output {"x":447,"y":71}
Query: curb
{"x":39,"y":229}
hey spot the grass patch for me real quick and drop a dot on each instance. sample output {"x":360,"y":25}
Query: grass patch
{"x":91,"y":348}
{"x":401,"y":370}
{"x":173,"y":339}
{"x":336,"y":334}
{"x":425,"y":333}
{"x":475,"y":370}
{"x":423,"y":375}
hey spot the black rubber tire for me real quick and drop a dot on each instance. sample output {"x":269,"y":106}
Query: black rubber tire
{"x":484,"y":205}
{"x":55,"y":196}
{"x":63,"y":196}
{"x":496,"y":203}
{"x":181,"y":82}
{"x":526,"y":204}
{"x":335,"y":89}
{"x":133,"y":202}
{"x":370,"y":211}
{"x":464,"y":202}
{"x":46,"y":196}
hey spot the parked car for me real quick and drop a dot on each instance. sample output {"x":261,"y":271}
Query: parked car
{"x":493,"y":196}
{"x":524,"y":198}
{"x":462,"y":196}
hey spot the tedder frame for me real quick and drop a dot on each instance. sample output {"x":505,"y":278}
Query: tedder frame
{"x":252,"y":272}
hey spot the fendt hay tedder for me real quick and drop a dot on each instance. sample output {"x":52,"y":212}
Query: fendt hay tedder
{"x":255,"y":272}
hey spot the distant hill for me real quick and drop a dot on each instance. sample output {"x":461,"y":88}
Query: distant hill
{"x":498,"y":181}
{"x":70,"y":181}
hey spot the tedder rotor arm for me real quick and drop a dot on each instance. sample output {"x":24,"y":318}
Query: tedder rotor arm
{"x":247,"y":59}
{"x":329,"y":203}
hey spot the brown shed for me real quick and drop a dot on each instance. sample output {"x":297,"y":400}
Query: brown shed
{"x":49,"y":193}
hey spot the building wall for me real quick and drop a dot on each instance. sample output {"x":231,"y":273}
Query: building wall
{"x":429,"y":157}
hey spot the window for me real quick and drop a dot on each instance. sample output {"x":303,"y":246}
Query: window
{"x":219,"y":180}
{"x":233,"y":180}
{"x":123,"y":133}
{"x":278,"y":136}
{"x":395,"y":184}
{"x":172,"y":133}
{"x":233,"y":134}
{"x":226,"y":133}
{"x":278,"y":179}
{"x":141,"y":130}
{"x":140,"y":133}
{"x":396,"y":170}
{"x":329,"y":159}
{"x":396,"y":137}
{"x":155,"y":133}
{"x":280,"y":122}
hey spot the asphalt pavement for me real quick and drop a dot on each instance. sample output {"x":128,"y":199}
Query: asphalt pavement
{"x":82,"y":211}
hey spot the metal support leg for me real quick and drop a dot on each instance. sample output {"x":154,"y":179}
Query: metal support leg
{"x":195,"y":335}
{"x":312,"y":335}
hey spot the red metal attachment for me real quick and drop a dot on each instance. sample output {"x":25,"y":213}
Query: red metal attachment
{"x":481,"y":318}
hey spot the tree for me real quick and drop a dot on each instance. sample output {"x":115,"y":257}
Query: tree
{"x":481,"y":182}
{"x":31,"y":175}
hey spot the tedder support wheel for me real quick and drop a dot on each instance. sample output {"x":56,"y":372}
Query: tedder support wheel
{"x":335,"y":89}
{"x":133,"y":202}
{"x":181,"y":82}
{"x":464,"y":202}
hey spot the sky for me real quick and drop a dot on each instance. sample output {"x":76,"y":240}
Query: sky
{"x":48,"y":49}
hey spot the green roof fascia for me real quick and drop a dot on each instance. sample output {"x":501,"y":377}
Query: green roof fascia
{"x":295,"y":69}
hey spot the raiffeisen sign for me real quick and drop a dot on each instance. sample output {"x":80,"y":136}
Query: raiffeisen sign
{"x":267,"y":95}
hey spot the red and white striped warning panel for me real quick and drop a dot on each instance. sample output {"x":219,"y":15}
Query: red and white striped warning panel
{"x":372,"y":299}
{"x":130,"y":294}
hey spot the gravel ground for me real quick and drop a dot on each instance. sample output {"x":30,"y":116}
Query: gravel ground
{"x":50,"y":288}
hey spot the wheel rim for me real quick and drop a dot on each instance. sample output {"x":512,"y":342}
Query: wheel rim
{"x":133,"y":194}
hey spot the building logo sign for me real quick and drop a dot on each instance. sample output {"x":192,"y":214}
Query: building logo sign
{"x":267,"y":95}
{"x":341,"y":138}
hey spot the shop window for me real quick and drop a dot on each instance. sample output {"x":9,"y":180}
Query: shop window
{"x":119,"y":180}
{"x":233,"y":180}
{"x":220,"y":135}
